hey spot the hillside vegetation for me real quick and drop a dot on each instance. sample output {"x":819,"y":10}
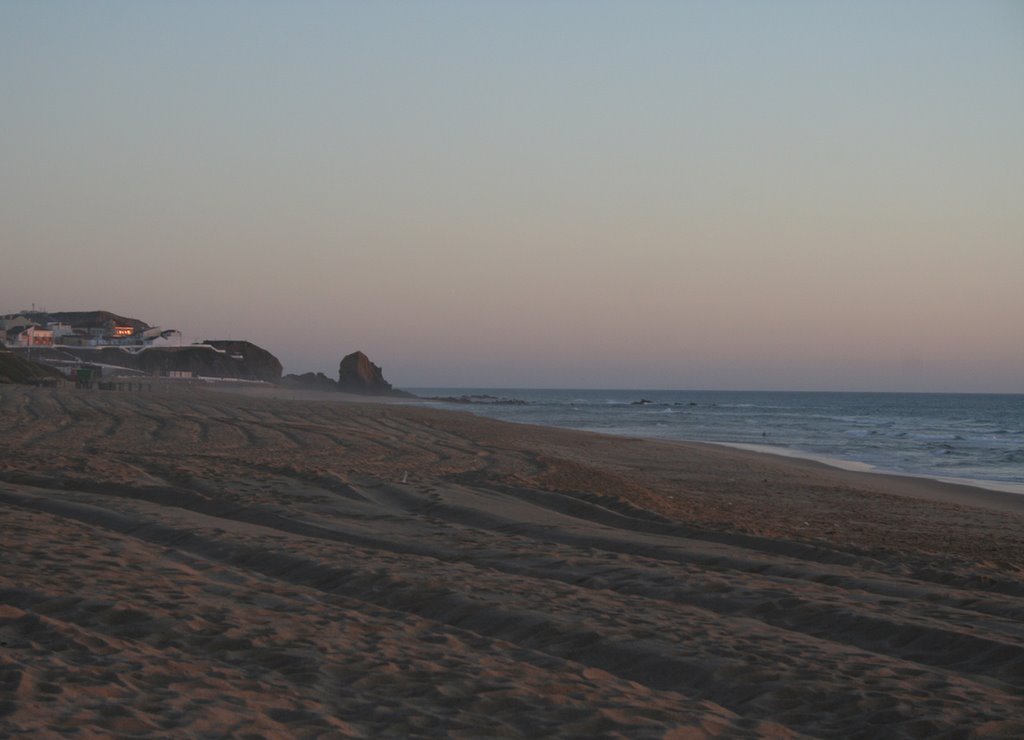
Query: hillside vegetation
{"x":16,"y":369}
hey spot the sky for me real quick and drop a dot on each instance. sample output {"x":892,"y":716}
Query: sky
{"x":683,"y":195}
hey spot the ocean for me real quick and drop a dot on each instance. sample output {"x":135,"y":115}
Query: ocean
{"x":969,"y":438}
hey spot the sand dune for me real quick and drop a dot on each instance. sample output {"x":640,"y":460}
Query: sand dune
{"x":189,"y":562}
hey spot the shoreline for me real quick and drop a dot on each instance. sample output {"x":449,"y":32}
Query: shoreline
{"x":907,"y":487}
{"x":853,"y":466}
{"x":991,"y":493}
{"x":198,"y":562}
{"x":957,"y":491}
{"x":983,"y":484}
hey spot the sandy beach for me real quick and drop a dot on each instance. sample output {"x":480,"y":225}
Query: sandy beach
{"x":192,"y":562}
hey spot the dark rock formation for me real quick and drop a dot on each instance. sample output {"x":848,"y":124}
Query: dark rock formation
{"x":258,"y":362}
{"x":309,"y":382}
{"x":356,"y":374}
{"x":217,"y":359}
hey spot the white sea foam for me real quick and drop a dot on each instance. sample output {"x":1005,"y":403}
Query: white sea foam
{"x":992,"y":485}
{"x":834,"y":462}
{"x":860,"y":467}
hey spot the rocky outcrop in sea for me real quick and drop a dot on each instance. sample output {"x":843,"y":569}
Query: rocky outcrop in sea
{"x":356,"y":374}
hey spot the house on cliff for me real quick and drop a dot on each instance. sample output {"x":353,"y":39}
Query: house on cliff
{"x":14,"y":320}
{"x":30,"y":336}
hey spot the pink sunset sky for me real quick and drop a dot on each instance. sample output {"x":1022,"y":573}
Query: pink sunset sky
{"x":786,"y":195}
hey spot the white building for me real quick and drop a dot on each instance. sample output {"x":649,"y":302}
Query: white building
{"x":60,"y":330}
{"x":31,"y":336}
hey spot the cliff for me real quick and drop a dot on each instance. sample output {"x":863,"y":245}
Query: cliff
{"x":258,"y":362}
{"x":216,"y":359}
{"x":356,"y":374}
{"x":85,"y":319}
{"x":16,"y":369}
{"x":309,"y":382}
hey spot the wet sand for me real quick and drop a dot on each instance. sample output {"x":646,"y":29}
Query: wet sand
{"x":188,"y":562}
